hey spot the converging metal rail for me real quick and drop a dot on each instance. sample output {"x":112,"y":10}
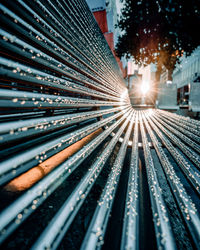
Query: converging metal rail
{"x":79,"y":167}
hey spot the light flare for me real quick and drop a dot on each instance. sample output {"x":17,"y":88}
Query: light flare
{"x":145,"y":87}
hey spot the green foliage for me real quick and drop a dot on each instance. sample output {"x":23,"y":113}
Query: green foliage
{"x":158,"y":31}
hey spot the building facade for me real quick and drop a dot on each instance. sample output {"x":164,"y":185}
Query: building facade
{"x":188,"y":71}
{"x":105,"y":13}
{"x":186,"y":74}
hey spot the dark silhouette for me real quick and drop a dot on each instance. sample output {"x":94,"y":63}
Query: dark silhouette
{"x":157,"y":31}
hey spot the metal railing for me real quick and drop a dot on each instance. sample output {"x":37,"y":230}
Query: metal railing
{"x":64,"y":107}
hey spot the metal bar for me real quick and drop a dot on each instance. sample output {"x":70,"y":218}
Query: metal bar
{"x":191,"y":122}
{"x":130,"y":233}
{"x":184,"y":202}
{"x":38,"y":193}
{"x":179,"y":122}
{"x":96,"y":231}
{"x":23,"y":99}
{"x":182,"y":133}
{"x":190,"y":173}
{"x":60,"y":223}
{"x":20,"y":72}
{"x":163,"y":231}
{"x":188,"y":151}
{"x":10,"y":131}
{"x":23,"y":161}
{"x":39,"y":35}
{"x":60,"y":82}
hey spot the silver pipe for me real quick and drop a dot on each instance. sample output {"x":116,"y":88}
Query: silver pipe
{"x":190,"y":173}
{"x":29,"y":201}
{"x":194,"y":157}
{"x":96,"y":231}
{"x":57,"y":228}
{"x":187,"y":126}
{"x":10,"y":131}
{"x":187,"y":120}
{"x":130,"y":233}
{"x":24,"y":99}
{"x":163,"y":231}
{"x":23,"y":161}
{"x":182,"y":133}
{"x":184,"y":202}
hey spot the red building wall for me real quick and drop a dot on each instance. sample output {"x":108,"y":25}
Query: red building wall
{"x":110,"y":40}
{"x":101,"y":19}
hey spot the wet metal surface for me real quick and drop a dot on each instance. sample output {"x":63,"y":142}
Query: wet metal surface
{"x":60,"y":84}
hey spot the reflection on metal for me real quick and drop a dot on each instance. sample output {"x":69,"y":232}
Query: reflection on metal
{"x":62,"y":220}
{"x":59,"y":84}
{"x":130,"y":235}
{"x":29,"y":178}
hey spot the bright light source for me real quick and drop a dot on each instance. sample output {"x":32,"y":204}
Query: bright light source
{"x":169,"y":82}
{"x":151,"y":112}
{"x":145,"y":87}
